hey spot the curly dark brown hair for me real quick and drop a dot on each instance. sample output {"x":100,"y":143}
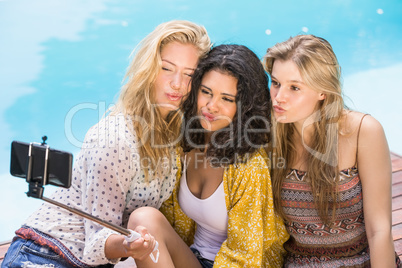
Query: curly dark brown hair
{"x":250,"y":127}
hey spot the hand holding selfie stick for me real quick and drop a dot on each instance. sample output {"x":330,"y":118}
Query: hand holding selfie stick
{"x":36,"y":189}
{"x":130,"y":235}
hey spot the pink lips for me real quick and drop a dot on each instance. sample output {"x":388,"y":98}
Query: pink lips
{"x":278,"y":109}
{"x":208,"y":116}
{"x":174,"y":97}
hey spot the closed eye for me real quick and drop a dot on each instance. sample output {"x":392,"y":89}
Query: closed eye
{"x":205,"y":91}
{"x":228,"y":99}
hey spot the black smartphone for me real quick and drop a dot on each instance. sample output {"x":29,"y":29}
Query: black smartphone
{"x":34,"y":160}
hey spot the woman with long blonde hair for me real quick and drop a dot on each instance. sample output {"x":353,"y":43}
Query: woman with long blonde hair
{"x":140,"y":99}
{"x":335,"y":190}
{"x":126,"y":160}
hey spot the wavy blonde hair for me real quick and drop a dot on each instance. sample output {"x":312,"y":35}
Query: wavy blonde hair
{"x":137,"y":97}
{"x":320,"y":71}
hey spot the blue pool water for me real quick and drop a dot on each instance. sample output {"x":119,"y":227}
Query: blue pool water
{"x":62,"y":62}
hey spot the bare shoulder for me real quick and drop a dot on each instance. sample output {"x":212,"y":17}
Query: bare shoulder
{"x":370,"y":135}
{"x":367,"y":124}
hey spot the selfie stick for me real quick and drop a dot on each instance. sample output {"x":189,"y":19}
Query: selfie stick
{"x":36,"y":190}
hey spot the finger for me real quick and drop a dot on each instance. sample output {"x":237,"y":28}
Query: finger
{"x":147,"y":238}
{"x":151,"y":241}
{"x":140,"y":249}
{"x":152,"y":246}
{"x":146,"y":245}
{"x":141,"y":230}
{"x":135,"y":245}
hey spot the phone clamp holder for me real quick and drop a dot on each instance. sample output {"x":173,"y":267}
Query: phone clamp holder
{"x":36,"y":186}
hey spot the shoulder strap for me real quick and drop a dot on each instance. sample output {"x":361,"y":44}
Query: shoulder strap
{"x":357,"y":139}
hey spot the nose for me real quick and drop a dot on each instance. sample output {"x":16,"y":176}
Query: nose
{"x":279,"y":95}
{"x":176,"y":81}
{"x":212,"y":105}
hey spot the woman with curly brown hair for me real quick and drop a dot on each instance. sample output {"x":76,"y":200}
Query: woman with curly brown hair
{"x":221,"y":207}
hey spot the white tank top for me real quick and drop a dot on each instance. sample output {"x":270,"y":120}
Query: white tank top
{"x":211,"y":217}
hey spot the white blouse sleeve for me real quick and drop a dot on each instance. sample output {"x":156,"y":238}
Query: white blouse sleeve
{"x":105,"y":167}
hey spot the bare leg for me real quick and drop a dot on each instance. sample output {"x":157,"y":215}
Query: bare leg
{"x":173,"y":252}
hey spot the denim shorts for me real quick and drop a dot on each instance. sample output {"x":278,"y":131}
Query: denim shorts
{"x":27,"y":253}
{"x":205,"y":263}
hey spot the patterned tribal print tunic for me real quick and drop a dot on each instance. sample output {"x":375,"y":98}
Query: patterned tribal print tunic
{"x":315,"y":244}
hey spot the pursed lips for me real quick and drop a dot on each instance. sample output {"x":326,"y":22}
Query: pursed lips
{"x":278,"y":109}
{"x":174,"y":97}
{"x":208,"y":116}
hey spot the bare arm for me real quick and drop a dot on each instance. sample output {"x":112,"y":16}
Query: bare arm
{"x":374,"y":166}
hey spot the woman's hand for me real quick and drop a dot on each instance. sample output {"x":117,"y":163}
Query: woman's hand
{"x":142,"y":247}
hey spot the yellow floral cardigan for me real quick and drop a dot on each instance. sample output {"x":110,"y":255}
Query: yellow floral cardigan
{"x":255,"y":232}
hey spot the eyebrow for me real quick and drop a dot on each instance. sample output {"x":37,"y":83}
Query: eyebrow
{"x":193,"y":69}
{"x":296,"y":81}
{"x":292,"y":81}
{"x":225,"y":94}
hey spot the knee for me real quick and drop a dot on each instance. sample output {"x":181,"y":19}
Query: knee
{"x":148,"y":217}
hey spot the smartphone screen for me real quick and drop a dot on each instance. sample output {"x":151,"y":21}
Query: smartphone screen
{"x":59,"y":165}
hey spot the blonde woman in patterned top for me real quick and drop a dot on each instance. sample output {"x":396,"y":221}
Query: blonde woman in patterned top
{"x":335,"y":190}
{"x":118,"y":170}
{"x":222,"y":205}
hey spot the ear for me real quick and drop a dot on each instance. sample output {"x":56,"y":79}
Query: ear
{"x":322,"y":96}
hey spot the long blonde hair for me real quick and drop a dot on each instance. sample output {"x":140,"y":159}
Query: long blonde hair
{"x":320,"y":71}
{"x":136,"y":98}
